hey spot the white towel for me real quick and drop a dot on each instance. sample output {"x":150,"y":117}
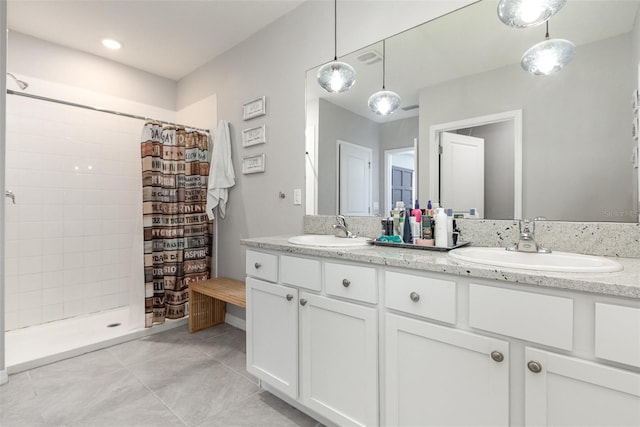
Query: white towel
{"x":221,"y":174}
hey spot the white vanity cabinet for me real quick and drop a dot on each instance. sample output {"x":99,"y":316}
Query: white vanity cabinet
{"x":567,"y":391}
{"x":319,"y":350}
{"x":436,"y":376}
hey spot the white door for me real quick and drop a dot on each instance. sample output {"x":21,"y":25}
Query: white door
{"x":339,"y":360}
{"x":439,"y":376}
{"x":354,"y":179}
{"x":462,"y":173}
{"x":272,"y":334}
{"x":574,"y":392}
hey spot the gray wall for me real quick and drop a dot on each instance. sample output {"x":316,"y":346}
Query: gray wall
{"x":273,"y":63}
{"x":340,"y":124}
{"x":498,"y":167}
{"x":3,"y":103}
{"x":576,"y":140}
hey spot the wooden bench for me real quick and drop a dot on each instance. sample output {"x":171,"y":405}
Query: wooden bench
{"x":208,"y":298}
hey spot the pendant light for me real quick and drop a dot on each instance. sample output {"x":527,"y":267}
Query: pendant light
{"x":527,"y":13}
{"x":384,"y":102}
{"x":336,"y":76}
{"x":548,"y":56}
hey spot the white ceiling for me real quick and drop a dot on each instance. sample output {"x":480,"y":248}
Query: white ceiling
{"x":186,"y":34}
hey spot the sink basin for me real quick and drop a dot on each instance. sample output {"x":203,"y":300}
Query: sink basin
{"x":555,"y":261}
{"x":328,"y":240}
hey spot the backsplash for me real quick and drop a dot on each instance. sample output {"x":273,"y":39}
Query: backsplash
{"x":593,"y":238}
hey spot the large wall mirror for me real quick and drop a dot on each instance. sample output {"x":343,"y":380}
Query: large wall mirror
{"x":558,"y":146}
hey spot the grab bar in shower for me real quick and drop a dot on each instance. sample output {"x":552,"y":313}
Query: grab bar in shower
{"x":9,"y":194}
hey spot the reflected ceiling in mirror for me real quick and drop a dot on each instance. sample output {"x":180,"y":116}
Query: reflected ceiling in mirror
{"x":576,"y":163}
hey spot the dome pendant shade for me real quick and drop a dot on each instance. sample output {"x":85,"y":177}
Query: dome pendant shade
{"x":527,"y":13}
{"x":384,"y":102}
{"x":548,"y":57}
{"x":336,"y":77}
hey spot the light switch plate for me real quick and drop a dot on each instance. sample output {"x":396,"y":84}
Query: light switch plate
{"x":297,"y":196}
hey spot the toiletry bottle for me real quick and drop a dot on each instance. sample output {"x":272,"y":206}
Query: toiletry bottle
{"x":429,"y":209}
{"x":406,"y":234}
{"x":449,"y":227}
{"x":441,"y":228}
{"x":427,"y":233}
{"x":417,"y":212}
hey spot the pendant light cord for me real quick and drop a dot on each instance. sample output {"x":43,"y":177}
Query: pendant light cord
{"x":384,"y":56}
{"x":335,"y":30}
{"x":547,"y":34}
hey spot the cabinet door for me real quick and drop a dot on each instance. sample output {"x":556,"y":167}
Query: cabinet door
{"x":566,"y":391}
{"x":339,"y":360}
{"x":438,"y":376}
{"x":272,"y":334}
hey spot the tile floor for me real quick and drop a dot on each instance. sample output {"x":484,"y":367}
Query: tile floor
{"x":172,"y":378}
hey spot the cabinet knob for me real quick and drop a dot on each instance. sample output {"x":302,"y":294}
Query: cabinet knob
{"x":497,"y":356}
{"x":534,"y":367}
{"x":415,"y":297}
{"x":289,"y":297}
{"x":346,"y":283}
{"x":257,"y":265}
{"x":303,"y":302}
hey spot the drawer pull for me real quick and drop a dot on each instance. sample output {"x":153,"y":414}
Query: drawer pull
{"x":534,"y":367}
{"x":415,"y":297}
{"x":257,"y":265}
{"x":497,"y":356}
{"x":346,"y":283}
{"x":303,"y":302}
{"x":289,"y":297}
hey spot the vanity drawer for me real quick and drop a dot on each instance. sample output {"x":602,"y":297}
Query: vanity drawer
{"x":262,"y":265}
{"x":618,"y":333}
{"x":301,"y":272}
{"x":542,"y":319}
{"x":351,"y":281}
{"x":422,"y":296}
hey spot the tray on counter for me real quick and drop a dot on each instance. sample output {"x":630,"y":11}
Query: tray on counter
{"x":414,"y":246}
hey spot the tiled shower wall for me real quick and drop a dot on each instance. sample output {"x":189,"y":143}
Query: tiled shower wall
{"x":72,"y":233}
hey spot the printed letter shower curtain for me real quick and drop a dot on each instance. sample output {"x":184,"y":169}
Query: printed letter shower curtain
{"x":177,"y":231}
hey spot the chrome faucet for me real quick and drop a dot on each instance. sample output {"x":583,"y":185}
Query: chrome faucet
{"x":527,"y":243}
{"x":342,"y":225}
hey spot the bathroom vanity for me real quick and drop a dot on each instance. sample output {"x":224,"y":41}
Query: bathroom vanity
{"x":385,"y":336}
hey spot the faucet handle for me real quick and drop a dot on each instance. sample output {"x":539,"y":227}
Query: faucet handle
{"x":526,"y":226}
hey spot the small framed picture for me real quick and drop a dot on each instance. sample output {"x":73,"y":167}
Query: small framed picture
{"x":254,"y":136}
{"x":253,"y":164}
{"x":254,"y":108}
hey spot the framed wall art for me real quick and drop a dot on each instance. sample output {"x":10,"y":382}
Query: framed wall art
{"x":254,"y":136}
{"x":254,"y":108}
{"x":253,"y":164}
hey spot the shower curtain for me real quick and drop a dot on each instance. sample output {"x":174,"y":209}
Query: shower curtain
{"x":177,"y":231}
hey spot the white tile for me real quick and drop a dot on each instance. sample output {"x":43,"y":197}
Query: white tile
{"x":28,"y":300}
{"x":91,"y":274}
{"x":110,"y":301}
{"x":73,"y":292}
{"x":110,"y":256}
{"x":52,"y":196}
{"x":93,"y":289}
{"x":92,"y":259}
{"x":53,"y":212}
{"x":29,"y":317}
{"x":92,"y":212}
{"x":30,"y":265}
{"x":72,"y":229}
{"x":29,"y":230}
{"x":11,"y":248}
{"x":29,"y":282}
{"x":73,"y":244}
{"x":55,"y":179}
{"x":110,"y":242}
{"x":29,"y":213}
{"x":93,"y":305}
{"x":73,"y":196}
{"x":10,"y":232}
{"x":30,"y":162}
{"x":11,"y":320}
{"x":52,"y":246}
{"x":52,"y":229}
{"x":12,"y":178}
{"x":11,"y":213}
{"x":73,"y":212}
{"x":92,"y":243}
{"x":72,"y":277}
{"x":30,"y":195}
{"x":92,"y":197}
{"x":52,"y":312}
{"x":73,"y":261}
{"x":52,"y":280}
{"x":29,"y":247}
{"x":92,"y":228}
{"x":54,"y":262}
{"x":73,"y":308}
{"x":11,"y":301}
{"x":52,"y":296}
{"x":10,"y":268}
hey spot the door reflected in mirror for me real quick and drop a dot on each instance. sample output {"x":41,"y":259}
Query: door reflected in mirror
{"x":573,"y":163}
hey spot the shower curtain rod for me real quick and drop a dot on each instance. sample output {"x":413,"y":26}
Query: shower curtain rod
{"x":102,"y":110}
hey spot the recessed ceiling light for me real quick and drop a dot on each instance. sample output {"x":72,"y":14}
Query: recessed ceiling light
{"x":111,"y":44}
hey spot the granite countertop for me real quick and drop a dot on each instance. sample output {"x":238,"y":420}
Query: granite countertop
{"x":625,"y":283}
